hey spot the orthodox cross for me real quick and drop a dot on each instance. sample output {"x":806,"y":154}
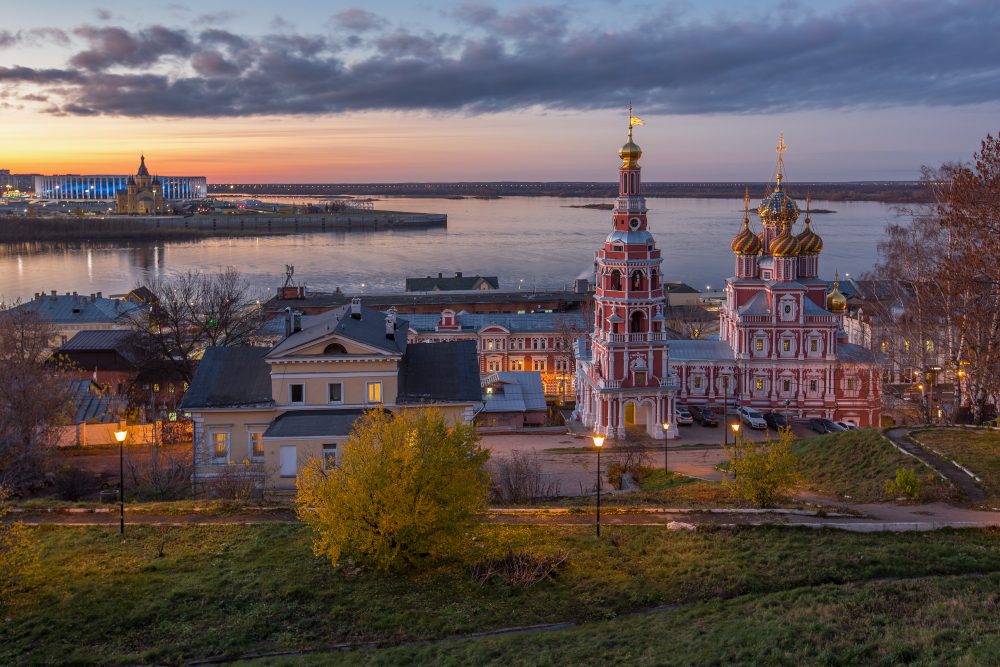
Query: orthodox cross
{"x":781,"y":155}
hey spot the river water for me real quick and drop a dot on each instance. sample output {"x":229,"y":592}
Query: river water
{"x":526,"y":241}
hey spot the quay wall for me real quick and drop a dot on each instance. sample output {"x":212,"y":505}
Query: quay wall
{"x":291,"y":223}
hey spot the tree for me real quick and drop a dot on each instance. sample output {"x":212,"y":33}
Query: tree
{"x":35,"y":398}
{"x":405,"y":490}
{"x":970,"y":211}
{"x":194,"y":311}
{"x":690,"y":322}
{"x":18,"y":553}
{"x":761,"y":472}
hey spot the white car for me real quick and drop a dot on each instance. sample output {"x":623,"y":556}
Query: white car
{"x":752,"y":418}
{"x":846,"y":426}
{"x":682,"y":417}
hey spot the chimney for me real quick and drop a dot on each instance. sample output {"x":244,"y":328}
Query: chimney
{"x":53,"y":295}
{"x":440,"y":275}
{"x":356,"y":307}
{"x":582,"y":286}
{"x":296,"y":321}
{"x":74,"y":295}
{"x":99,"y":295}
{"x":85,"y":301}
{"x":390,"y":324}
{"x":458,"y":274}
{"x":288,"y":322}
{"x":37,"y":296}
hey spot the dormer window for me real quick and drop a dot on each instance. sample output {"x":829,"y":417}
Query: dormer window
{"x":334,"y":348}
{"x":617,"y":248}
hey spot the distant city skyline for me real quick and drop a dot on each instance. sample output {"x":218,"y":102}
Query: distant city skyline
{"x":460,"y":91}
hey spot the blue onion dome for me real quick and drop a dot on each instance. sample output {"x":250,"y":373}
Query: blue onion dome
{"x":778,"y":207}
{"x":746,"y":242}
{"x":784,"y":244}
{"x":810,"y":242}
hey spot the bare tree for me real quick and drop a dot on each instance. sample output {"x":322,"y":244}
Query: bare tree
{"x":35,"y":397}
{"x":194,"y":311}
{"x":691,"y":322}
{"x":157,"y":468}
{"x":517,"y":477}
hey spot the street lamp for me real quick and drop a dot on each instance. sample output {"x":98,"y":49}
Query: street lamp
{"x":598,"y":441}
{"x":666,"y":442}
{"x":736,"y":428}
{"x":120,"y":436}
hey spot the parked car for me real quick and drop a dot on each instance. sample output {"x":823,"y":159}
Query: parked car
{"x":775,"y":420}
{"x":752,"y":418}
{"x":704,"y":416}
{"x":682,"y":416}
{"x":847,"y":426}
{"x":821,"y":425}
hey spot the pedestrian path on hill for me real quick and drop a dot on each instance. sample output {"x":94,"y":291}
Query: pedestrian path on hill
{"x":948,"y":469}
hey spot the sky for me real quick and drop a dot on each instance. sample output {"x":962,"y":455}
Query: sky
{"x":386,"y":91}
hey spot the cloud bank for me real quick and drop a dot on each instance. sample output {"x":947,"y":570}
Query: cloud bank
{"x":872,"y":54}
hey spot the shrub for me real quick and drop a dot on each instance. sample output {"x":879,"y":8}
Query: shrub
{"x":72,"y":483}
{"x":906,"y":484}
{"x":518,"y":568}
{"x":761,"y":472}
{"x":404,"y":492}
{"x":18,"y":553}
{"x":517,"y":478}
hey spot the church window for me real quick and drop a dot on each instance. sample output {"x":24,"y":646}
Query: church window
{"x":813,"y":345}
{"x":787,"y":385}
{"x":725,"y":383}
{"x":615,"y":281}
{"x":640,"y":378}
{"x":787,"y":345}
{"x":637,"y":323}
{"x":850,"y":384}
{"x":760,"y":344}
{"x":760,"y":384}
{"x":812,"y":385}
{"x":632,"y":183}
{"x":489,"y":345}
{"x":637,"y":280}
{"x":697,"y":383}
{"x":788,"y":309}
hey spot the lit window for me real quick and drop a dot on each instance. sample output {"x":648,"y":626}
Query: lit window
{"x":156,"y":389}
{"x":296,"y":394}
{"x":906,"y":345}
{"x":374,"y":392}
{"x":760,"y":384}
{"x":760,"y":345}
{"x":788,"y":385}
{"x":257,"y":445}
{"x":787,"y":345}
{"x":813,"y":345}
{"x":885,"y":346}
{"x":220,"y":445}
{"x":697,"y":383}
{"x":929,"y":346}
{"x":170,"y":388}
{"x":335,"y":392}
{"x":850,"y":384}
{"x":489,"y":345}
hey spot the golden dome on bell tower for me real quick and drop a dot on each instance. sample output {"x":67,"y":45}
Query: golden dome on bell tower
{"x":630,"y":152}
{"x":835,"y":301}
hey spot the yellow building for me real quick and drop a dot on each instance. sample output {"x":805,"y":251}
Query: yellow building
{"x":278,"y":407}
{"x":143,"y":194}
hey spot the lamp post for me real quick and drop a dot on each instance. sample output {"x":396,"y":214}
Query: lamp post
{"x":666,"y":442}
{"x":120,"y":436}
{"x":598,"y":441}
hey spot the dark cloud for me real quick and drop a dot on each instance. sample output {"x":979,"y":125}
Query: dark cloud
{"x":8,"y":38}
{"x":893,"y":53}
{"x":33,"y":37}
{"x":358,"y":20}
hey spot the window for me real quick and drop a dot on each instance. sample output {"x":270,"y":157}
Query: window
{"x":156,"y":388}
{"x":697,"y":382}
{"x":885,"y":346}
{"x":220,"y":446}
{"x":257,"y":445}
{"x":335,"y":348}
{"x":640,"y":378}
{"x":760,"y":344}
{"x":330,"y":455}
{"x":489,"y":345}
{"x":850,"y":384}
{"x":296,"y":394}
{"x":814,"y":345}
{"x":786,"y":345}
{"x":788,"y":309}
{"x":725,"y":383}
{"x":787,"y":385}
{"x":906,"y":346}
{"x":812,"y":385}
{"x":929,"y":346}
{"x":538,"y":364}
{"x":62,"y":340}
{"x":170,"y":388}
{"x":335,"y":392}
{"x":636,"y":280}
{"x":760,"y":384}
{"x":534,"y":344}
{"x":374,"y":392}
{"x":517,"y":365}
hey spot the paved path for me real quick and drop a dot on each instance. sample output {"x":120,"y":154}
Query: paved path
{"x":956,"y":476}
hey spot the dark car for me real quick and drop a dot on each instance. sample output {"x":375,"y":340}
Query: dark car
{"x":821,"y":425}
{"x":775,"y":420}
{"x":704,"y":415}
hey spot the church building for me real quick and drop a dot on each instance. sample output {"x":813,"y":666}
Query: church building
{"x":143,"y":194}
{"x":781,"y":345}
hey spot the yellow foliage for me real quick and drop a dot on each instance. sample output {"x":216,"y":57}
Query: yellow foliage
{"x":405,"y":490}
{"x":761,"y":472}
{"x":18,"y":554}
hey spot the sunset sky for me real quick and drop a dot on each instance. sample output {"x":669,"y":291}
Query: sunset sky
{"x":445,"y":91}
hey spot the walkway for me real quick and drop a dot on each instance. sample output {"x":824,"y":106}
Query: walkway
{"x":955,"y":475}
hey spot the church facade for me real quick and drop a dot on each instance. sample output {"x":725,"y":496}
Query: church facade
{"x":781,"y":345}
{"x":143,"y":194}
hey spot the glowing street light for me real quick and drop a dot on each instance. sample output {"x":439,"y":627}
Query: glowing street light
{"x":736,"y":428}
{"x":120,"y":436}
{"x":666,"y":426}
{"x":598,"y":441}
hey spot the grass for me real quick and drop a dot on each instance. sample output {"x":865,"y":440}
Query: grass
{"x":231,"y":589}
{"x":203,"y":507}
{"x":933,"y":621}
{"x":857,"y":463}
{"x":979,"y":451}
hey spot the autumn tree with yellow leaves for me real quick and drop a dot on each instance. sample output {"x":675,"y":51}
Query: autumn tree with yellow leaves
{"x":405,"y":490}
{"x":18,"y":553}
{"x":761,"y":473}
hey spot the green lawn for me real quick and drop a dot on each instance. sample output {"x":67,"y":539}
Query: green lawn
{"x":979,"y":451}
{"x":226,"y":590}
{"x":857,"y":464}
{"x":935,"y":621}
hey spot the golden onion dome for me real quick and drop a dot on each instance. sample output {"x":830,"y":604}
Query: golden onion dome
{"x":778,"y":207}
{"x":746,"y":242}
{"x":810,"y":242}
{"x":784,"y":244}
{"x":835,"y":301}
{"x":630,"y":153}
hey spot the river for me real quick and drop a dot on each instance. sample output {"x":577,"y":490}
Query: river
{"x":526,"y":241}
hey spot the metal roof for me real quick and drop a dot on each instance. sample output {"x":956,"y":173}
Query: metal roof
{"x":94,"y":405}
{"x":518,"y":391}
{"x":701,"y":350}
{"x":369,"y":330}
{"x":757,"y":305}
{"x":450,"y":283}
{"x":230,"y":377}
{"x":629,"y":237}
{"x":97,"y":339}
{"x":313,"y":424}
{"x":439,"y":372}
{"x":68,"y":309}
{"x":515,"y":323}
{"x":851,"y":353}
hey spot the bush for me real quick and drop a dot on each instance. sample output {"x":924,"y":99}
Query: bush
{"x":520,"y":568}
{"x":18,"y":554}
{"x":404,"y":492}
{"x":629,"y":455}
{"x":906,"y":484}
{"x":517,"y":478}
{"x":761,"y":472}
{"x":73,"y":483}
